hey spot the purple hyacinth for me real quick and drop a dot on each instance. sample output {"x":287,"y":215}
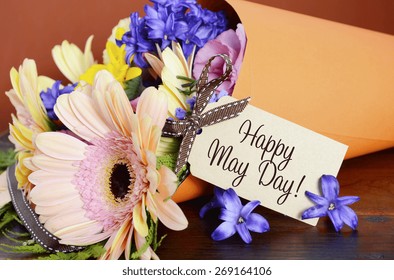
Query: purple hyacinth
{"x":183,"y":21}
{"x":163,"y":27}
{"x":50,"y":96}
{"x":181,"y":113}
{"x":216,"y":21}
{"x":216,"y":96}
{"x":176,"y":6}
{"x":216,"y":202}
{"x":235,"y":216}
{"x":136,"y":41}
{"x":331,"y":205}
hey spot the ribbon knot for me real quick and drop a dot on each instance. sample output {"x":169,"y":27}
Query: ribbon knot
{"x":195,"y":121}
{"x":189,"y":127}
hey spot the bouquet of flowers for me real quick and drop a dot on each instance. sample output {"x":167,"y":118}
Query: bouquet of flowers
{"x":92,"y":164}
{"x":95,"y":167}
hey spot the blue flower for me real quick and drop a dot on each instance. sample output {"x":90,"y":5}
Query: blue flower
{"x":50,"y":96}
{"x":180,"y":113}
{"x":215,"y":97}
{"x":163,"y":26}
{"x":176,"y":6}
{"x":196,"y":35}
{"x":136,"y":41}
{"x":203,"y":25}
{"x":215,"y":21}
{"x":235,"y":216}
{"x":183,"y":21}
{"x":330,"y":204}
{"x":216,"y":202}
{"x":191,"y":101}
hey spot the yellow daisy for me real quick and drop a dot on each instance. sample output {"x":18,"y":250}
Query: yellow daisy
{"x":31,"y":117}
{"x":71,"y":61}
{"x":171,"y":64}
{"x":117,"y":32}
{"x":117,"y":66}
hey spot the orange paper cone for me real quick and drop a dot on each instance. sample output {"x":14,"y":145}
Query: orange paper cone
{"x":334,"y":79}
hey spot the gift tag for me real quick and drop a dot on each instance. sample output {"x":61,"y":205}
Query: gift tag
{"x":266,"y":158}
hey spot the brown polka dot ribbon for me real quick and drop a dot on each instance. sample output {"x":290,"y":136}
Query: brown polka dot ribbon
{"x":30,"y":218}
{"x":188,"y":127}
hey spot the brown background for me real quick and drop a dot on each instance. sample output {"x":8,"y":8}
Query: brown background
{"x":31,"y":28}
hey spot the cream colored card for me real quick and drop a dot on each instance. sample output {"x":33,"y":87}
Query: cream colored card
{"x":266,"y":158}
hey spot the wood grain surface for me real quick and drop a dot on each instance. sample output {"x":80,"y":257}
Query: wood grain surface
{"x":371,"y":177}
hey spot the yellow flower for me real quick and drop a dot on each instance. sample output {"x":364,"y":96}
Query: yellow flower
{"x":71,"y":61}
{"x":31,"y":117}
{"x":25,"y":95}
{"x":171,"y":64}
{"x":116,"y":66}
{"x":117,"y":32}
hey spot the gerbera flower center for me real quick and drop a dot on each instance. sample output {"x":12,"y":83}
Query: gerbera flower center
{"x":110,"y":180}
{"x":120,"y":180}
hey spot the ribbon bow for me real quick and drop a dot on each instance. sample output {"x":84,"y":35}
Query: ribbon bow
{"x":189,"y":127}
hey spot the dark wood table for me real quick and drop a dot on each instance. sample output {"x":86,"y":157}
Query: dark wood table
{"x":371,"y":177}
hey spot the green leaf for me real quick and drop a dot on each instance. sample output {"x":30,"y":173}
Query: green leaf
{"x":21,"y":242}
{"x":93,"y":251}
{"x":168,"y":160}
{"x":132,"y":88}
{"x":182,"y":174}
{"x":7,"y":158}
{"x":7,"y":234}
{"x":5,"y":208}
{"x":7,"y":214}
{"x":189,"y":85}
{"x":33,"y":248}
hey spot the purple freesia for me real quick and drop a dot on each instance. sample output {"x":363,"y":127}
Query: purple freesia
{"x":331,"y":205}
{"x":235,"y":216}
{"x":230,"y":42}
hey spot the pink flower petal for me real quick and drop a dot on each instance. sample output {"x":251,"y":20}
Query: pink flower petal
{"x":168,"y":181}
{"x":153,"y":103}
{"x":83,"y":108}
{"x":72,"y":148}
{"x":117,"y":243}
{"x":231,"y":43}
{"x":170,"y":214}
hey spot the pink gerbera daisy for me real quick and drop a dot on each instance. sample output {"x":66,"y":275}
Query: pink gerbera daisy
{"x":102,"y":185}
